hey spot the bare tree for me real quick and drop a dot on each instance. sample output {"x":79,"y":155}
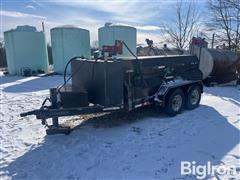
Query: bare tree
{"x":225,"y":19}
{"x":234,"y":3}
{"x":180,"y":29}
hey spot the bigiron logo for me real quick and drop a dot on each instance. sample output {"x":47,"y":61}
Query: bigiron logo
{"x":201,"y":171}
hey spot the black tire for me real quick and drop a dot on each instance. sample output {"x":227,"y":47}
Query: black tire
{"x":174,"y":105}
{"x":193,"y":97}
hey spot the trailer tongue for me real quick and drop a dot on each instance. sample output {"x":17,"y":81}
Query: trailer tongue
{"x":110,"y":84}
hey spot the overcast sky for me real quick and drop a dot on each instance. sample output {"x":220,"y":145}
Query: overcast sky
{"x":145,"y":15}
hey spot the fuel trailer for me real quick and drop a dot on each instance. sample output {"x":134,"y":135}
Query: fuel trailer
{"x":106,"y":84}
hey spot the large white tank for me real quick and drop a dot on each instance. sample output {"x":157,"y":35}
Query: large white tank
{"x":25,"y":48}
{"x":110,"y":32}
{"x":68,"y":42}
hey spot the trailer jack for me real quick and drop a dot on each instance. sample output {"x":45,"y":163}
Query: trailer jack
{"x":55,"y":128}
{"x":52,"y":129}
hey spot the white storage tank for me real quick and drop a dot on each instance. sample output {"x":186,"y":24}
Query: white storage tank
{"x":25,"y":49}
{"x":110,"y":32}
{"x":68,"y":42}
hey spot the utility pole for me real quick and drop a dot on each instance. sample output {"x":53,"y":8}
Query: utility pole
{"x":213,"y":37}
{"x":43,"y":29}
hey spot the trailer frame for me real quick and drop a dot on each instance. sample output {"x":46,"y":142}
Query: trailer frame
{"x":54,"y":111}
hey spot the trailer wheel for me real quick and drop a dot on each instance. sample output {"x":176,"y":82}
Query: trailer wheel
{"x":175,"y":102}
{"x":193,"y":97}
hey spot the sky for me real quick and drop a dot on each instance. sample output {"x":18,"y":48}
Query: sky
{"x":146,"y":15}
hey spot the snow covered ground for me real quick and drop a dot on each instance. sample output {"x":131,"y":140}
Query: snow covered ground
{"x":144,"y":144}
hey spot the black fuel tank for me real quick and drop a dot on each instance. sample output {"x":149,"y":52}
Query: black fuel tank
{"x":102,"y":80}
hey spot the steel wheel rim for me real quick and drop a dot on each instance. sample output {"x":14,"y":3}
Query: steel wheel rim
{"x":194,"y":97}
{"x":177,"y":102}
